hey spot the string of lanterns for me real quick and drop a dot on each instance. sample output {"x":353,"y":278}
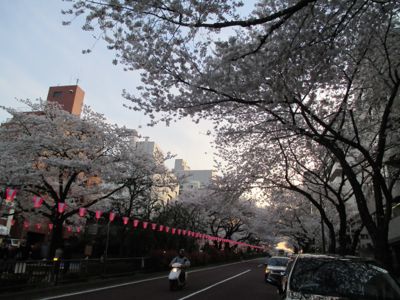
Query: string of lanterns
{"x":61,"y":208}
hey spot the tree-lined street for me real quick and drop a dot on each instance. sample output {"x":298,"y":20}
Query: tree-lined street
{"x":304,"y":101}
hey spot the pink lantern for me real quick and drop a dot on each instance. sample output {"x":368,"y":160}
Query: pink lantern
{"x":61,"y":207}
{"x":189,"y":233}
{"x":125,"y":220}
{"x":78,"y":229}
{"x":10,"y":194}
{"x":69,"y":228}
{"x":173,"y":230}
{"x":183,"y":232}
{"x":161,"y":228}
{"x":26,"y":224}
{"x":37,"y":201}
{"x":38,"y":226}
{"x":82,"y":211}
{"x":98,"y":214}
{"x":166,"y":229}
{"x":135,"y":223}
{"x":112,"y":216}
{"x":153,"y":226}
{"x":51,"y":225}
{"x":179,"y":231}
{"x":145,"y":224}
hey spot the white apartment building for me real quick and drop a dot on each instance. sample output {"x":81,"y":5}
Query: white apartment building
{"x":191,"y":179}
{"x":153,"y":151}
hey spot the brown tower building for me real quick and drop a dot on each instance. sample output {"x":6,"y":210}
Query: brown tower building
{"x":70,"y":97}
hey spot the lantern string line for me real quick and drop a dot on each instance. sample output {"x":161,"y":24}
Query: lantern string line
{"x":82,"y":211}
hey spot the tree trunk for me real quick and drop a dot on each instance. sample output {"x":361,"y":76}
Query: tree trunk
{"x":382,"y":251}
{"x":56,"y":237}
{"x":332,"y":237}
{"x":355,"y":240}
{"x":343,"y":248}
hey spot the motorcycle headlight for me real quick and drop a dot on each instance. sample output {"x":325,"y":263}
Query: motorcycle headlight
{"x":174,"y":269}
{"x":266,"y":270}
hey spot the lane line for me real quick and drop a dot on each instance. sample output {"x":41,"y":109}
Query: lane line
{"x":103,"y":288}
{"x":134,"y":282}
{"x":215,"y":284}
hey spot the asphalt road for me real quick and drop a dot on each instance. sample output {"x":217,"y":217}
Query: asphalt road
{"x":244,"y":280}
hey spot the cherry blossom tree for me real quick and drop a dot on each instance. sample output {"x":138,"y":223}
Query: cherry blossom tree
{"x":296,"y":219}
{"x":304,"y":168}
{"x":226,"y":212}
{"x":327,"y":71}
{"x":70,"y":162}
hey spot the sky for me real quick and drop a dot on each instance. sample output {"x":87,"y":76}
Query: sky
{"x":37,"y":52}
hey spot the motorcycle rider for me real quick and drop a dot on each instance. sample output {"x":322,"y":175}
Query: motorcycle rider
{"x":184,"y":261}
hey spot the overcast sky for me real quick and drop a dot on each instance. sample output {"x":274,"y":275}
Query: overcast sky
{"x":37,"y":52}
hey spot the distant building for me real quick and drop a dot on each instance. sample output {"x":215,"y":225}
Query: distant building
{"x":170,"y":190}
{"x":191,"y":179}
{"x":148,"y":148}
{"x":70,"y":97}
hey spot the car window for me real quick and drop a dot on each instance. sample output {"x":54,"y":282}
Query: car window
{"x":342,"y":278}
{"x":278,"y":261}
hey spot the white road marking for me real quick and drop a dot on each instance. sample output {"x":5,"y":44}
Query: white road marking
{"x":103,"y":288}
{"x":134,"y":282}
{"x":213,"y":285}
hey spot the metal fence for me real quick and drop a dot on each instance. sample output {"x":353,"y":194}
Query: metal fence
{"x":44,"y":272}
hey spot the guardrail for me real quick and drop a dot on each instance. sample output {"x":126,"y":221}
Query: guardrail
{"x":44,"y":272}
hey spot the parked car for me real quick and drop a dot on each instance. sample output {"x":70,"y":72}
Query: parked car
{"x":275,"y":268}
{"x":336,"y":278}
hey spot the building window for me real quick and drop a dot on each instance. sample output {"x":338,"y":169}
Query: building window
{"x":57,"y":94}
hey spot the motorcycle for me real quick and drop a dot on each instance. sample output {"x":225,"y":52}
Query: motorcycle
{"x":177,"y":277}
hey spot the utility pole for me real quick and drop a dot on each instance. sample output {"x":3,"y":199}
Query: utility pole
{"x":322,"y":228}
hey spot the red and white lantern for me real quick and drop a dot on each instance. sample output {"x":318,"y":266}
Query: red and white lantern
{"x":179,"y":231}
{"x":78,"y":229}
{"x":183,"y":232}
{"x":38,"y":226}
{"x":12,"y":222}
{"x":69,"y":228}
{"x":51,"y":225}
{"x":10,"y":194}
{"x":26,"y":224}
{"x":173,"y":230}
{"x":37,"y":201}
{"x":166,"y":229}
{"x":82,"y":211}
{"x":161,"y":228}
{"x":125,"y":220}
{"x":111,"y":216}
{"x":98,"y":214}
{"x":61,"y":207}
{"x":136,"y":223}
{"x":145,"y":224}
{"x":153,"y":226}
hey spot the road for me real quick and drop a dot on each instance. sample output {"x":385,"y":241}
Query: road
{"x":242,"y":280}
